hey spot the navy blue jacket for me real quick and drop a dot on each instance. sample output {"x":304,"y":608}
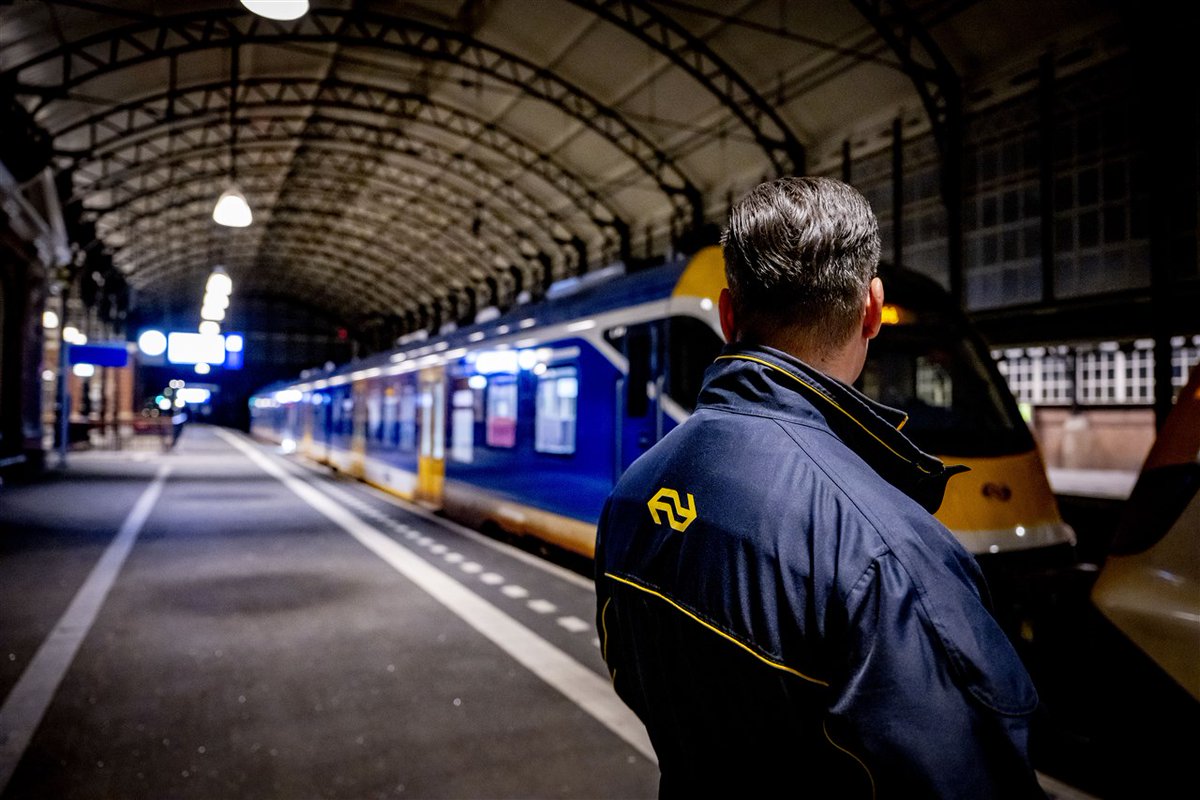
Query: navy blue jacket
{"x":779,"y":607}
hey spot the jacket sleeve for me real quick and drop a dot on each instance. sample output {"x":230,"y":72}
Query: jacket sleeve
{"x":932,"y":699}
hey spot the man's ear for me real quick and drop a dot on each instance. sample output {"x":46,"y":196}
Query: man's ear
{"x":873,"y":316}
{"x":725,"y":306}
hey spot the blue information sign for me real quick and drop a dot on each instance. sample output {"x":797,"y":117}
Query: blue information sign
{"x":101,"y":354}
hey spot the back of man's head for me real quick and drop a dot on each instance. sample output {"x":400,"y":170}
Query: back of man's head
{"x":799,"y":257}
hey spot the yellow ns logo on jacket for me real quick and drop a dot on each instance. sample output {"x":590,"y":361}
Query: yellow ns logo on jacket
{"x":686,"y":513}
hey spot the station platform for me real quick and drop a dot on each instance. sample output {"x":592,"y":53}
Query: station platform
{"x":220,"y":621}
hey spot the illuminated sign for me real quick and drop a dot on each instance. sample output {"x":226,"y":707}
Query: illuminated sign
{"x":100,"y":354}
{"x":195,"y":348}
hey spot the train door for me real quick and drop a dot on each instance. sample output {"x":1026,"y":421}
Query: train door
{"x":639,"y":413}
{"x":322,"y":421}
{"x":358,"y":430}
{"x":431,"y":421}
{"x":304,"y":434}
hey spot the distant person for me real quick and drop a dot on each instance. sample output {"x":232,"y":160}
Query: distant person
{"x":775,"y":600}
{"x":178,"y":420}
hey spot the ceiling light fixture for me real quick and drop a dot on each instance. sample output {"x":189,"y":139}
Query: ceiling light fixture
{"x":219,"y":282}
{"x":232,"y":210}
{"x":277,"y":9}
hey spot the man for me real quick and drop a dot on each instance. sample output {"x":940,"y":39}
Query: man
{"x":813,"y":631}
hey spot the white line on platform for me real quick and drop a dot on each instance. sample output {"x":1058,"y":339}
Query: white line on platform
{"x":578,"y":683}
{"x":27,"y":702}
{"x":487,"y":541}
{"x":574,"y":624}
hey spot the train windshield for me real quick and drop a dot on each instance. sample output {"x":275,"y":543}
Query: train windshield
{"x":956,"y":402}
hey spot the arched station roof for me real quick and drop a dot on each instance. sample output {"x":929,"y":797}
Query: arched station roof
{"x":418,"y":159}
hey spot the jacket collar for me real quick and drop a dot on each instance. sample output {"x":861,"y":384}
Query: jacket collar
{"x":784,"y":387}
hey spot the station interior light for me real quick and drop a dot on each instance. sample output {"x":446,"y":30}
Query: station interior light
{"x":232,"y":210}
{"x":219,"y":282}
{"x":194,"y":395}
{"x":277,"y":9}
{"x":202,"y":368}
{"x":217,"y":290}
{"x":152,"y":342}
{"x":49,"y":320}
{"x":84,"y":370}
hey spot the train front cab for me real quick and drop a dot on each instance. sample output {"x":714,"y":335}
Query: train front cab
{"x":929,"y":362}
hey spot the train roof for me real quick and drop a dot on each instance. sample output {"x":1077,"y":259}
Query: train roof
{"x":569,"y":299}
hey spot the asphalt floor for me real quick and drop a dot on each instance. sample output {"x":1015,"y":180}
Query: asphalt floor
{"x":251,"y":646}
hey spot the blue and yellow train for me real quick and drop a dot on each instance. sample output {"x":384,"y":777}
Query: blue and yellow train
{"x":523,"y":423}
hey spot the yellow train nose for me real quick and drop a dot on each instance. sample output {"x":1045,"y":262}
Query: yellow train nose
{"x":1003,"y":503}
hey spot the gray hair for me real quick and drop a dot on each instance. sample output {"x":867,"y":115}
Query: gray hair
{"x":799,"y":255}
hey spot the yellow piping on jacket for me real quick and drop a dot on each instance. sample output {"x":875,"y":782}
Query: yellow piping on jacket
{"x":718,"y":631}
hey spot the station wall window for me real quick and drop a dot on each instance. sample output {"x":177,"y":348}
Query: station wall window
{"x":501,"y":429}
{"x":1185,"y":355}
{"x":1040,"y":376}
{"x":1101,"y":222}
{"x":1002,"y":223}
{"x":1107,"y":373}
{"x":554,"y":424}
{"x":1111,"y":375}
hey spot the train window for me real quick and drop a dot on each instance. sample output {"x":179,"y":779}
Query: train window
{"x":425,"y":400}
{"x":438,"y":415}
{"x":391,"y":423}
{"x":692,"y":345}
{"x":433,"y":420}
{"x":554,"y":425}
{"x":375,"y":412}
{"x":639,"y":349}
{"x":462,"y":424}
{"x":343,"y":424}
{"x":502,"y":411}
{"x":956,"y":405}
{"x":407,"y":435}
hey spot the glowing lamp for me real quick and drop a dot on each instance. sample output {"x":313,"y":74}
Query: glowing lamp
{"x":277,"y":9}
{"x":232,"y":209}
